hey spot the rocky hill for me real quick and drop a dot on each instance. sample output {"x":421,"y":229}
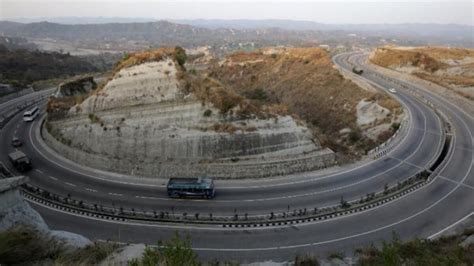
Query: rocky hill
{"x":452,"y":68}
{"x":154,"y":118}
{"x":304,"y":81}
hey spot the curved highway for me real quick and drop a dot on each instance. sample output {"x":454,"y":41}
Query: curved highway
{"x":423,"y":213}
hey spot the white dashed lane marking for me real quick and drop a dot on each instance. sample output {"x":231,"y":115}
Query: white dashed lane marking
{"x":52,"y":177}
{"x":115,"y":194}
{"x":91,"y":190}
{"x":39,"y":171}
{"x":71,"y":184}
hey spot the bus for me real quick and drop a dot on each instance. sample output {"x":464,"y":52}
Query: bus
{"x":30,"y":115}
{"x":191,"y":187}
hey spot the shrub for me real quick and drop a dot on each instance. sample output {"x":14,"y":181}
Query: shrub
{"x":181,"y":56}
{"x":257,"y":94}
{"x":306,"y":261}
{"x":207,"y":113}
{"x":395,"y":126}
{"x":94,"y":118}
{"x":21,"y":245}
{"x":354,"y":136}
{"x":175,"y":252}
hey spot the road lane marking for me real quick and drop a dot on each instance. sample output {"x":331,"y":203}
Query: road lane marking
{"x":71,"y":184}
{"x":313,"y":243}
{"x":52,"y":177}
{"x":145,"y":197}
{"x":39,"y":171}
{"x":456,"y":182}
{"x":410,"y":164}
{"x":115,"y":194}
{"x":451,"y":226}
{"x":91,"y":190}
{"x":306,"y":180}
{"x":464,"y":149}
{"x":303,"y":181}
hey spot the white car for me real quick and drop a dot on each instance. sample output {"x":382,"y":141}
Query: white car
{"x":392,"y":90}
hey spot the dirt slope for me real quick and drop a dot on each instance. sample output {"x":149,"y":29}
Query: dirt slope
{"x":304,"y":81}
{"x":452,"y":68}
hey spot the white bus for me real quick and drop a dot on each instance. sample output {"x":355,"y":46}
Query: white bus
{"x":30,"y":115}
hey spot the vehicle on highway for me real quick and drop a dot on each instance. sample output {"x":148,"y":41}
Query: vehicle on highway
{"x":191,"y":187}
{"x":16,"y":142}
{"x":358,"y":71}
{"x":20,"y":161}
{"x":392,"y":90}
{"x":30,"y":115}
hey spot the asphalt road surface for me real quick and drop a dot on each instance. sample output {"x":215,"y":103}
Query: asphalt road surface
{"x":449,"y":198}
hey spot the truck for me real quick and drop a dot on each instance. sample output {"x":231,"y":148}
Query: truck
{"x":357,"y":71}
{"x":20,"y":161}
{"x":191,"y":187}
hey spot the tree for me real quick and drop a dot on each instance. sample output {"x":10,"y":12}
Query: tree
{"x":180,"y":56}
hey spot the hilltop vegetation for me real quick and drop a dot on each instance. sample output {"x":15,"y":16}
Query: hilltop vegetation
{"x":304,"y":81}
{"x":452,"y":68}
{"x":22,"y":67}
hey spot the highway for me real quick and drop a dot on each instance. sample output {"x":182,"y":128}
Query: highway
{"x":447,"y":199}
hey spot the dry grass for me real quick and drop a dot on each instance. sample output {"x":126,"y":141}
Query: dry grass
{"x":440,"y":53}
{"x":390,"y":57}
{"x":23,"y":245}
{"x":429,"y":59}
{"x":144,"y":56}
{"x":299,"y":81}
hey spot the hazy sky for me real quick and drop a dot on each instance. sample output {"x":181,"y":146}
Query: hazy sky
{"x":348,"y":11}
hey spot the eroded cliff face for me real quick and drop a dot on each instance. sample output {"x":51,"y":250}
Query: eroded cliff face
{"x":152,"y":112}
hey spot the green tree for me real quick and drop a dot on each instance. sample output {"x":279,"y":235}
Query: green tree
{"x":178,"y":252}
{"x":181,"y":56}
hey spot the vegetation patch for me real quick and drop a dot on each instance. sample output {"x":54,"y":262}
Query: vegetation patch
{"x":22,"y":67}
{"x":301,"y":82}
{"x":23,"y":245}
{"x":176,"y":251}
{"x":445,"y":251}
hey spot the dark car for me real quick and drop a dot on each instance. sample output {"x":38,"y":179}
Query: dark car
{"x":16,"y":142}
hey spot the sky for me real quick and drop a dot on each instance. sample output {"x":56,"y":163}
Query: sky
{"x":334,"y":12}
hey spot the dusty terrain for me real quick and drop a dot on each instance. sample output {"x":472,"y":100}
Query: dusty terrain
{"x":152,"y":117}
{"x":452,"y":68}
{"x":341,"y":114}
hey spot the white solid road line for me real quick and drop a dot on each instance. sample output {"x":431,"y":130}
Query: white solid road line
{"x":456,"y":182}
{"x":234,"y":187}
{"x":451,"y":226}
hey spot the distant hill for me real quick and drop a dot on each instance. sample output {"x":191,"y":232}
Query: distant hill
{"x":82,"y":20}
{"x":22,"y":67}
{"x":159,"y":33}
{"x":435,"y":33}
{"x":237,"y":34}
